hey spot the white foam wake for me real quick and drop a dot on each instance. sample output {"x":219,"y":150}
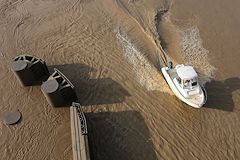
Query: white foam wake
{"x":146,"y":73}
{"x":195,"y":54}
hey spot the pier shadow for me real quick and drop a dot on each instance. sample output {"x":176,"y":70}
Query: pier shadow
{"x":220,"y":93}
{"x":92,"y":91}
{"x":118,"y":136}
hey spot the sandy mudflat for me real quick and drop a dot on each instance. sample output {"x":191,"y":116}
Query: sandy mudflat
{"x":111,"y":50}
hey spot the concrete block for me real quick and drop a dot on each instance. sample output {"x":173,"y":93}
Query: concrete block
{"x":58,"y":90}
{"x":29,"y":70}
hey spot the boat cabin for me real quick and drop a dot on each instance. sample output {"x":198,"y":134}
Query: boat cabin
{"x":187,"y":77}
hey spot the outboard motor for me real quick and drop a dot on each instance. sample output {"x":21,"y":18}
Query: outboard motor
{"x":170,"y":65}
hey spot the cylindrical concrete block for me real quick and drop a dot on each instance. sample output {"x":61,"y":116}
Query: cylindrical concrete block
{"x":22,"y":72}
{"x":11,"y":118}
{"x":40,"y":71}
{"x":30,"y":70}
{"x":50,"y":89}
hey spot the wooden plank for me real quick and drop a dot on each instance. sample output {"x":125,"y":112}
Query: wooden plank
{"x":79,"y":133}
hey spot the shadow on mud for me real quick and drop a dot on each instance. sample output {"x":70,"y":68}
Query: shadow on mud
{"x":118,"y":136}
{"x":92,"y":91}
{"x":220,"y":93}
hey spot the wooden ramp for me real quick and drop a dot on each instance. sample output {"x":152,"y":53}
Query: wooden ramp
{"x":79,"y":133}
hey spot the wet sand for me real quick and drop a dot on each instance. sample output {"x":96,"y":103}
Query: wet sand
{"x":112,"y":51}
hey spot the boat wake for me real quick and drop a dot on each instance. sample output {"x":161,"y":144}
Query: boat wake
{"x":195,"y":54}
{"x":146,"y":73}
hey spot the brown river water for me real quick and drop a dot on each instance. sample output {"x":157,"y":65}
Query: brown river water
{"x":112,"y":51}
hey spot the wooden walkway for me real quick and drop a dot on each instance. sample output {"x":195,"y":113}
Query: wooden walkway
{"x":79,"y":133}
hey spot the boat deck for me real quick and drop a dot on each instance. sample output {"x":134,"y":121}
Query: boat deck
{"x":172,"y":73}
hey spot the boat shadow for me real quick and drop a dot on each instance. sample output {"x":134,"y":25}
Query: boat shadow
{"x":118,"y":136}
{"x":220,"y":93}
{"x":92,"y":91}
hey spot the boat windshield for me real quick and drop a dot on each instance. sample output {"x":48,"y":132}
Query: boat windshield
{"x":194,"y":82}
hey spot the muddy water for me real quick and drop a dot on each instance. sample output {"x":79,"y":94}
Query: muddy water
{"x":112,"y":51}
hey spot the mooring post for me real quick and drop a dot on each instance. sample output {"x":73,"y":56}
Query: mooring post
{"x":58,"y":90}
{"x":23,"y":73}
{"x":29,"y":70}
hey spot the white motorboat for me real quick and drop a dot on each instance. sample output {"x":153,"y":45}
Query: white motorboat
{"x":183,"y":80}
